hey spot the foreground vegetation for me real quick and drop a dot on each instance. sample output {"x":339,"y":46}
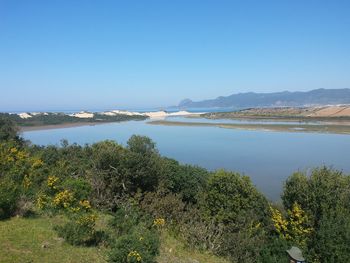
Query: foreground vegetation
{"x":108,"y":203}
{"x":34,"y":240}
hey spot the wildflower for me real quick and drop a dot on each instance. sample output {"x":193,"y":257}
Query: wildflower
{"x":37,"y":163}
{"x":22,"y":155}
{"x":10,"y":159}
{"x":64,"y":198}
{"x":85,"y":204}
{"x":13,"y":150}
{"x":75,"y":209}
{"x":87,"y":220}
{"x":295,"y":227}
{"x":299,"y":224}
{"x":134,"y":255}
{"x":52,"y":181}
{"x":281,"y":225}
{"x":41,"y":201}
{"x":26,"y":182}
{"x":159,"y":222}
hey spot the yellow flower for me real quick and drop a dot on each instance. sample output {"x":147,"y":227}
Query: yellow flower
{"x":10,"y":159}
{"x":64,"y":198}
{"x":26,"y":182}
{"x":41,"y":201}
{"x":87,"y":220}
{"x":21,"y":155}
{"x":159,"y":222}
{"x":13,"y":150}
{"x":299,"y":224}
{"x":134,"y":254}
{"x":52,"y":181}
{"x":37,"y":163}
{"x":75,"y":209}
{"x":281,"y":225}
{"x":85,"y":204}
{"x":295,"y":227}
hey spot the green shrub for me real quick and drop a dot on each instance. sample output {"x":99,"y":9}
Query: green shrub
{"x":9,"y":195}
{"x":331,"y":242}
{"x":201,"y":234}
{"x":140,"y":246}
{"x":168,"y":206}
{"x":186,"y":180}
{"x":243,"y":245}
{"x":126,"y":219}
{"x":80,"y":187}
{"x":137,"y":238}
{"x":81,"y":231}
{"x":274,"y":251}
{"x":323,"y":190}
{"x":230,"y":196}
{"x":8,"y":128}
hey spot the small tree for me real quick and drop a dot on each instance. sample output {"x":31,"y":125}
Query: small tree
{"x":296,"y":227}
{"x":333,"y":237}
{"x":230,"y":196}
{"x":8,"y":129}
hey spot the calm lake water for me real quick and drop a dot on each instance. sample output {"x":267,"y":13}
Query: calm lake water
{"x":267,"y":157}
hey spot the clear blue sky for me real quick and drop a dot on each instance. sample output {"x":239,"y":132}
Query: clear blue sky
{"x":109,"y":54}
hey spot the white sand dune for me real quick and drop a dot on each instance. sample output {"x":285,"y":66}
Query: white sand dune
{"x":86,"y":114}
{"x":38,"y":113}
{"x":184,"y":113}
{"x":83,"y":114}
{"x":156,"y":114}
{"x":116,"y":112}
{"x":24,"y":115}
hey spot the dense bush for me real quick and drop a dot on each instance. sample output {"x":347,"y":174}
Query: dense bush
{"x":142,"y":145}
{"x":331,"y":242}
{"x":9,"y":196}
{"x":139,"y":246}
{"x":119,"y":172}
{"x":274,"y":250}
{"x":141,"y":165}
{"x":185,"y":180}
{"x":8,"y":129}
{"x":323,"y":190}
{"x":230,"y":196}
{"x":79,"y":187}
{"x":137,"y":238}
{"x":164,"y":205}
{"x":126,"y":218}
{"x":324,"y":195}
{"x":81,"y":230}
{"x":200,"y":233}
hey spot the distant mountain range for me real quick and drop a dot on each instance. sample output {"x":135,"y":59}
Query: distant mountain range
{"x":275,"y":99}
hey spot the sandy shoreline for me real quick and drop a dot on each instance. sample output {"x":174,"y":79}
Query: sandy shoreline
{"x":59,"y":126}
{"x":322,"y":128}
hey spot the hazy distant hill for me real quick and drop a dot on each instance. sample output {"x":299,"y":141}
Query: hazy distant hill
{"x":285,"y":98}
